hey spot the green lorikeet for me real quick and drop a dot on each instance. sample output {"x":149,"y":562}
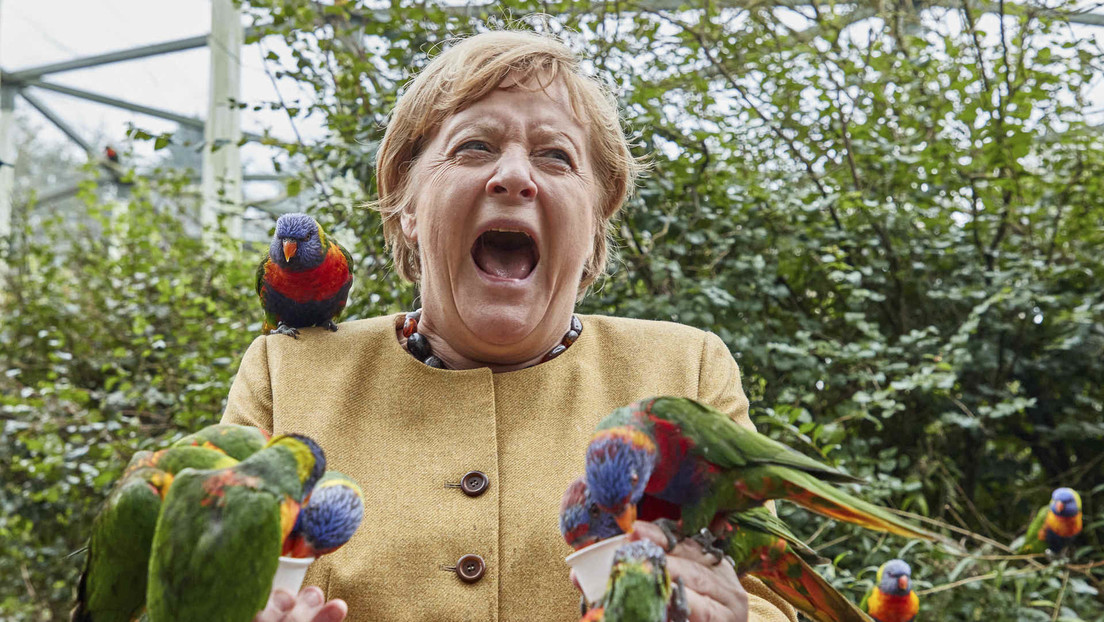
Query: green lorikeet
{"x":113,"y":584}
{"x":329,"y":518}
{"x":763,"y":546}
{"x":1056,"y":525}
{"x":220,"y":532}
{"x":237,"y":441}
{"x":305,"y":277}
{"x":892,"y":599}
{"x":697,"y":458}
{"x":639,"y":588}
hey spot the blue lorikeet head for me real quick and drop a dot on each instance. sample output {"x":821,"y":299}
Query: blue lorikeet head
{"x":895,"y":578}
{"x":1065,"y":502}
{"x":619,"y":462}
{"x":582,"y":522}
{"x":309,"y":455}
{"x":329,"y":519}
{"x":297,"y":244}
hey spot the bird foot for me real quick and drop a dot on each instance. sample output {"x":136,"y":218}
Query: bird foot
{"x":670,"y":530}
{"x":708,"y":543}
{"x":679,"y":609}
{"x":583,"y":607}
{"x":329,"y":324}
{"x":284,"y":329}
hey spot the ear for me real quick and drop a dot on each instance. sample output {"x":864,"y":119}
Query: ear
{"x":409,"y":226}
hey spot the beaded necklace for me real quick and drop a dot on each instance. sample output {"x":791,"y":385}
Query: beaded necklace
{"x":418,"y":346}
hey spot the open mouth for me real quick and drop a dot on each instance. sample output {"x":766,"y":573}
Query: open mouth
{"x":505,"y":254}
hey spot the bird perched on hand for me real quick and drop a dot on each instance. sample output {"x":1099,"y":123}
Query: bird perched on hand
{"x":640,"y":588}
{"x":695,"y":457}
{"x":582,"y":522}
{"x":1056,"y":525}
{"x":305,"y":277}
{"x":220,"y":532}
{"x":237,"y":441}
{"x":892,"y":599}
{"x":112,"y":586}
{"x":329,"y":518}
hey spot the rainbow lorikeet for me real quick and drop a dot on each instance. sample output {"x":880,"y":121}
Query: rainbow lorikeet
{"x":237,"y":441}
{"x":693,"y":456}
{"x":892,"y":599}
{"x":1056,"y":525}
{"x":220,"y":532}
{"x":764,"y":547}
{"x":328,"y":519}
{"x":305,"y":277}
{"x":582,"y":522}
{"x":112,"y":586}
{"x":640,"y":588}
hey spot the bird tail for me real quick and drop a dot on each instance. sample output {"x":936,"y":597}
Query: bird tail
{"x":827,"y":500}
{"x":799,"y":584}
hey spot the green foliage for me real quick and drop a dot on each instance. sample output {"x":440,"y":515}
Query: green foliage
{"x":897,"y":231}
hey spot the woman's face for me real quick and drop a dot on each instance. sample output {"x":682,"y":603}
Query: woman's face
{"x":504,"y":205}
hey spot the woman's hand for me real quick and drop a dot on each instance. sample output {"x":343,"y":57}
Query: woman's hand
{"x":309,"y":606}
{"x":713,"y":591}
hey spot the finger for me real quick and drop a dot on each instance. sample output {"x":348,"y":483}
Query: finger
{"x":333,"y":611}
{"x":643,"y":530}
{"x":705,"y":609}
{"x":721,"y":586}
{"x":307,"y":605}
{"x":278,"y":603}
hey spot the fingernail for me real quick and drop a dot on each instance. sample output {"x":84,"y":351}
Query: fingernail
{"x":311,"y":596}
{"x":282,"y":600}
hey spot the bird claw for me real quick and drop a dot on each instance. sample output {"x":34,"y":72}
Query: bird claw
{"x":284,"y":329}
{"x":583,"y":607}
{"x":708,"y":543}
{"x":669,"y":529}
{"x":679,"y":609}
{"x":329,"y":324}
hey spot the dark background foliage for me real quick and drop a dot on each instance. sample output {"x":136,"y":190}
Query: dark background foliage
{"x":897,"y":227}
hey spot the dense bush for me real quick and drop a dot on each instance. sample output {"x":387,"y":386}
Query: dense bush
{"x":896,"y":227}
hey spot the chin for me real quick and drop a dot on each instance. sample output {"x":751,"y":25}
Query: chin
{"x":501,"y":322}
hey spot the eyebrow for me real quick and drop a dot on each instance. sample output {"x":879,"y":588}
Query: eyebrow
{"x":484,"y":126}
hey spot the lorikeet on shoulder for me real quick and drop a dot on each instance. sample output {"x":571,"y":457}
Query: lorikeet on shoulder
{"x":329,"y":519}
{"x":305,"y":277}
{"x":892,"y":598}
{"x":237,"y":441}
{"x":697,"y":458}
{"x":1056,"y":525}
{"x":220,"y":532}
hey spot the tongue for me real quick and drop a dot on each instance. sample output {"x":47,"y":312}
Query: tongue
{"x":503,"y":262}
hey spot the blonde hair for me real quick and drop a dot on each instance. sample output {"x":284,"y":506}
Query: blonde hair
{"x":468,"y":71}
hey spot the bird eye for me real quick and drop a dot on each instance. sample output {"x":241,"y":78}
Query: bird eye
{"x":635,"y":477}
{"x":593,"y":510}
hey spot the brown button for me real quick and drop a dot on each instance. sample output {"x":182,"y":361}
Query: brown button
{"x":474,"y":483}
{"x":470,"y":568}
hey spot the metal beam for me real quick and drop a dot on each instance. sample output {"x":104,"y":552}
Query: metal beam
{"x":125,"y":105}
{"x":180,"y":45}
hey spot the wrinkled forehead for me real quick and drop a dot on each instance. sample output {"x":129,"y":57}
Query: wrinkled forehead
{"x":545,"y":103}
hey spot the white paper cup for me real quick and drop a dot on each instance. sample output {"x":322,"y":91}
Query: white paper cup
{"x":592,"y":566}
{"x":290,"y":573}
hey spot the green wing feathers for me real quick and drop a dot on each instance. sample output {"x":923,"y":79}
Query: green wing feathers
{"x":801,"y":586}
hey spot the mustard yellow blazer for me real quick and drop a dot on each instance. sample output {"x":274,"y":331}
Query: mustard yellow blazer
{"x":409,"y":433}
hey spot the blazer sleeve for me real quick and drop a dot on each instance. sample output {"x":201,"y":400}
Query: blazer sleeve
{"x":719,"y":386}
{"x":250,"y":400}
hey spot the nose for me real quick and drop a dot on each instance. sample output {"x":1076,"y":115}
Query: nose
{"x":513,"y":177}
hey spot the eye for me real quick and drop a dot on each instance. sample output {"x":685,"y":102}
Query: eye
{"x":476,"y":145}
{"x":557,"y":154}
{"x":593,"y":509}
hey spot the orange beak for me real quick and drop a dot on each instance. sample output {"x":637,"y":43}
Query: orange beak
{"x":1058,"y":507}
{"x":903,"y":583}
{"x":626,"y":518}
{"x":289,"y":249}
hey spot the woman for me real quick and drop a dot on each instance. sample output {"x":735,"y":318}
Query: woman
{"x":498,"y":176}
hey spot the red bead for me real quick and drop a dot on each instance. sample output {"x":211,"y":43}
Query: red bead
{"x":410,"y":326}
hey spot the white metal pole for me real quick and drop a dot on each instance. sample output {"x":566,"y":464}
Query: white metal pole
{"x":7,"y":161}
{"x":222,"y":172}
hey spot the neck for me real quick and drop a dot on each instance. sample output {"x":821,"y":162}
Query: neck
{"x":450,"y":347}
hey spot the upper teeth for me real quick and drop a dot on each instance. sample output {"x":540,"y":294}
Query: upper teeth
{"x":508,"y":230}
